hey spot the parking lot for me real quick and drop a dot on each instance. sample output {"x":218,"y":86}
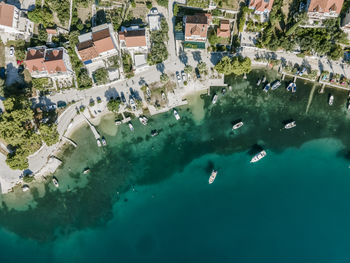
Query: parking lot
{"x":11,"y":68}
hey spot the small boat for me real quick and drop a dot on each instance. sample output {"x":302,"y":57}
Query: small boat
{"x":25,"y":188}
{"x":258,"y":82}
{"x":104,"y":143}
{"x":263,"y":80}
{"x":212,"y":176}
{"x":276,"y":85}
{"x":237,"y":125}
{"x":348,"y":106}
{"x":143,"y":120}
{"x":55,"y":182}
{"x":118,"y":122}
{"x":148,"y":92}
{"x":177,"y":116}
{"x":86,"y":171}
{"x":291,"y":86}
{"x":223,"y":91}
{"x":331,"y":100}
{"x":290,"y":125}
{"x":267,"y":87}
{"x":131,"y":127}
{"x":215,"y":98}
{"x":258,"y":157}
{"x":98,"y":143}
{"x":154,"y":133}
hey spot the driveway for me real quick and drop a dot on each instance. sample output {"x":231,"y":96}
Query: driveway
{"x":11,"y":68}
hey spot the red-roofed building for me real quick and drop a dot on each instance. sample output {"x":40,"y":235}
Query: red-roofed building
{"x":261,"y":7}
{"x":196,"y":28}
{"x":48,"y":62}
{"x":224,"y":29}
{"x":12,"y":21}
{"x":96,"y":44}
{"x":323,"y":9}
{"x":133,"y":39}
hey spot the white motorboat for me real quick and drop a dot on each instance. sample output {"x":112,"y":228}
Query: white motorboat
{"x":177,"y":116}
{"x":331,"y":100}
{"x":131,"y":127}
{"x":118,"y":122}
{"x":212,"y":176}
{"x":55,"y":182}
{"x":143,"y":120}
{"x":215,"y":98}
{"x":86,"y":171}
{"x":290,"y":125}
{"x":237,"y":125}
{"x":258,"y":157}
{"x":104,"y":143}
{"x":25,"y":188}
{"x":275,"y":85}
{"x":98,"y":143}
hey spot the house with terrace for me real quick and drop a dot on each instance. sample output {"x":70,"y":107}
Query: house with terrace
{"x":318,"y":10}
{"x":261,"y":8}
{"x":98,"y":44}
{"x":134,"y":39}
{"x":46,"y":62}
{"x":224,"y":29}
{"x":196,"y":29}
{"x":14,"y":24}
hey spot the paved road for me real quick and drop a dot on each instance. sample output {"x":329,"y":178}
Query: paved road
{"x":11,"y":68}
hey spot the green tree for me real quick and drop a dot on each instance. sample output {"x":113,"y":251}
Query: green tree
{"x":336,"y":52}
{"x":149,"y":4}
{"x":224,"y":66}
{"x":176,"y":9}
{"x":202,"y":67}
{"x":113,"y":105}
{"x":163,"y":3}
{"x":49,"y":134}
{"x":188,"y":69}
{"x":41,"y":16}
{"x":236,"y":65}
{"x":101,"y":76}
{"x":164,"y":77}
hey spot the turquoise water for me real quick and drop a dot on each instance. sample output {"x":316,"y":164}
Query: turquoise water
{"x":148,"y":199}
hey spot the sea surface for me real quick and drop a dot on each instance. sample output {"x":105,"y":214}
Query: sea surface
{"x":147,"y":199}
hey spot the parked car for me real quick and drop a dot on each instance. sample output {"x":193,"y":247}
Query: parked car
{"x":178,"y":77}
{"x":12,"y":51}
{"x":197,"y":73}
{"x":52,"y":107}
{"x":184,"y":75}
{"x":154,"y":11}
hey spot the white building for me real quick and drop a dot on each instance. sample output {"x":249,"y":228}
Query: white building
{"x":323,"y":9}
{"x":13,"y":23}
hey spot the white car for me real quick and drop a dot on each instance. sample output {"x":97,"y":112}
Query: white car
{"x":154,"y":11}
{"x":12,"y":51}
{"x":184,"y":76}
{"x":178,"y":77}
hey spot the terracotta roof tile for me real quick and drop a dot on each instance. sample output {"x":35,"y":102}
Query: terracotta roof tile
{"x":325,"y":6}
{"x":134,"y":38}
{"x":261,"y":5}
{"x":6,"y":14}
{"x":196,"y":25}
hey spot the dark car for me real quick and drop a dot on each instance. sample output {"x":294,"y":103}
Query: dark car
{"x":197,"y":73}
{"x":61,"y":104}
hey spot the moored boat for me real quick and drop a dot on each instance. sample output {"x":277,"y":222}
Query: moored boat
{"x":104,"y":143}
{"x":98,"y":143}
{"x":237,"y":125}
{"x":86,"y":171}
{"x":294,"y":87}
{"x":290,"y":125}
{"x":131,"y":127}
{"x":215,"y":98}
{"x":267,"y":87}
{"x":154,"y":133}
{"x":331,"y":100}
{"x":275,"y":85}
{"x":258,"y":82}
{"x":143,"y":120}
{"x":177,"y":116}
{"x":290,"y":86}
{"x":118,"y":122}
{"x":258,"y":157}
{"x":264,"y":79}
{"x":223,"y":91}
{"x":25,"y":188}
{"x":55,"y":182}
{"x":212,"y":176}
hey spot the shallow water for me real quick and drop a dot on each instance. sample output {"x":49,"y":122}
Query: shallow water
{"x":147,"y":198}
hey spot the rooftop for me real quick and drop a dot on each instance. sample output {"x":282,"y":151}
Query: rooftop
{"x":325,"y":6}
{"x":134,"y":38}
{"x":6,"y":14}
{"x":261,"y":5}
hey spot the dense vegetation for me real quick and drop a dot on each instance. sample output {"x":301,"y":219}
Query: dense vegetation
{"x":163,"y":3}
{"x":127,"y":64}
{"x":198,"y":3}
{"x":101,"y":76}
{"x":49,"y":134}
{"x":18,"y":131}
{"x":159,"y":50}
{"x":42,"y":16}
{"x":288,"y":34}
{"x":113,"y":105}
{"x":235,"y":65}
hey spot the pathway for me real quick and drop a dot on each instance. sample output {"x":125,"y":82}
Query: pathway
{"x":70,"y":14}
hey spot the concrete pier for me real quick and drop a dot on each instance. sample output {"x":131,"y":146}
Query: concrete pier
{"x":93,"y":129}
